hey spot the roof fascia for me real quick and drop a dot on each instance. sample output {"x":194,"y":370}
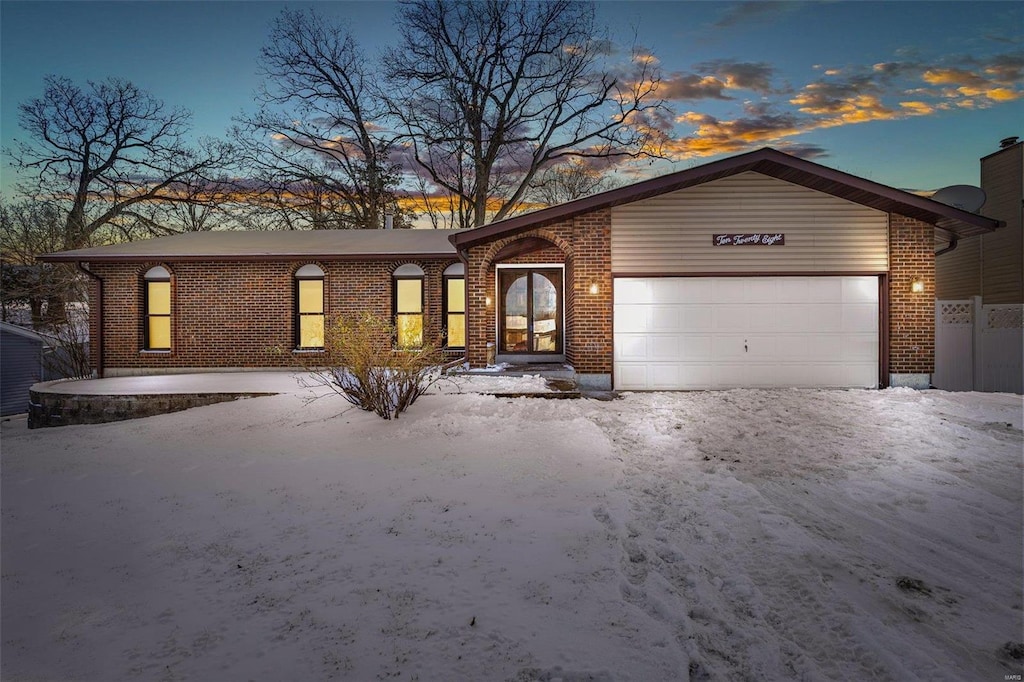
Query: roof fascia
{"x":767,"y":161}
{"x":72,"y":257}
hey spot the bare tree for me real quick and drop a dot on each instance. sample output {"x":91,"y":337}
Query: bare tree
{"x":573,"y":179}
{"x":105,"y":150}
{"x":27,"y":229}
{"x":317,"y":145}
{"x":489,"y":93}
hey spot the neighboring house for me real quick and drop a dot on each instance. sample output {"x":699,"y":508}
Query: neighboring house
{"x":26,"y":358}
{"x":979,"y":284}
{"x":757,"y":270}
{"x":990,"y":265}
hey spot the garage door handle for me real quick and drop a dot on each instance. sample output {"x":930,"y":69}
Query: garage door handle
{"x":744,"y":345}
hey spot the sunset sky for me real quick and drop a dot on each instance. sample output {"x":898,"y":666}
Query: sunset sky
{"x":910,"y":94}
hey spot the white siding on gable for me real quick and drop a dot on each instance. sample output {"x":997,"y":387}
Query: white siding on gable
{"x":671,"y":233}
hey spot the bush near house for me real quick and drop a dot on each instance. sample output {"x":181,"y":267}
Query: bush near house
{"x":361,"y":363}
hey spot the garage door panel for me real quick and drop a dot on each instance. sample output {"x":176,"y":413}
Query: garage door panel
{"x":791,"y":348}
{"x":761,"y":291}
{"x":632,"y":292}
{"x":792,"y":318}
{"x":825,"y":317}
{"x":763,"y":317}
{"x":665,"y":347}
{"x":727,"y":348}
{"x":630,"y":316}
{"x":860,"y":290}
{"x":859,"y":347}
{"x":728,"y":375}
{"x":730,"y":317}
{"x":858,"y":317}
{"x":696,"y":318}
{"x":825,"y":290}
{"x":823,"y":347}
{"x":729,"y":290}
{"x":629,"y":347}
{"x":665,"y":290}
{"x":793,"y":290}
{"x":664,"y":376}
{"x":724,"y":332}
{"x":664,"y":318}
{"x":631,"y":376}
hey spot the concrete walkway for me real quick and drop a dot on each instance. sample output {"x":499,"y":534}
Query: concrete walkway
{"x":168,"y":384}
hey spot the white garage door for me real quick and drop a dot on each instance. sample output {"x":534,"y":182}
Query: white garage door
{"x":729,"y":332}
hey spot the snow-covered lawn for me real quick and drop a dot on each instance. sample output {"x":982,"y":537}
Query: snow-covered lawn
{"x":736,"y":535}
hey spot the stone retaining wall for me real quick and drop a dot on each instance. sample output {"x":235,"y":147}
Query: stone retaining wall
{"x":63,"y":409}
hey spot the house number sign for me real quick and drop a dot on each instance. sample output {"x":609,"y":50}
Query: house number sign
{"x":749,"y":239}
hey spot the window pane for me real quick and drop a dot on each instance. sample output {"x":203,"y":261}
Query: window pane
{"x":311,"y":331}
{"x":158,"y":298}
{"x":159,"y":332}
{"x":410,"y":297}
{"x":311,"y":295}
{"x":457,"y":330}
{"x":410,"y":331}
{"x":456,"y":295}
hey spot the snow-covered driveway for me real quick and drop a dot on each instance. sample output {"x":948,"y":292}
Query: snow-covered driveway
{"x":775,"y":535}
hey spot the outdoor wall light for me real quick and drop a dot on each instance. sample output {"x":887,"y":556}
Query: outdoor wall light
{"x":487,"y":301}
{"x":593,"y":288}
{"x":917,"y":285}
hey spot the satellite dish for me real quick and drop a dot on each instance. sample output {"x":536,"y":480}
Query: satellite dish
{"x":964,"y":197}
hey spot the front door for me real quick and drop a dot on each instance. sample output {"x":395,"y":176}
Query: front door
{"x":530,"y":318}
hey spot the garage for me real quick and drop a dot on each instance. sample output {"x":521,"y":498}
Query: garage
{"x":726,"y":332}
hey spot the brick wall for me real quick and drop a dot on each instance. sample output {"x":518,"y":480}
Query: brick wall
{"x":234,"y":314}
{"x":583,"y":245}
{"x":911,"y":315}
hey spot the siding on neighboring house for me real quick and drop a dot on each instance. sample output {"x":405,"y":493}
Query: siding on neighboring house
{"x":1002,"y":274}
{"x":990,"y":265}
{"x":671,"y":233}
{"x":958,"y":273}
{"x":21,"y":367}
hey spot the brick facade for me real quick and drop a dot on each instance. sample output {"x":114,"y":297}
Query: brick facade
{"x":583,"y":246}
{"x":237,"y":314}
{"x":911,"y":315}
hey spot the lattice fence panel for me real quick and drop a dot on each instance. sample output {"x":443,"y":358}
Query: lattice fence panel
{"x":957,"y":313}
{"x":1008,"y":317}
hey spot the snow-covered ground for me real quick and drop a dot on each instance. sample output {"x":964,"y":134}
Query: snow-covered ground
{"x":735,"y":535}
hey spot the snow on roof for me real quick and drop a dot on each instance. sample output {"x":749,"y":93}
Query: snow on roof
{"x":269,"y":245}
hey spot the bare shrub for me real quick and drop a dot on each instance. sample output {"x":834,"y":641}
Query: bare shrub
{"x":361,"y":363}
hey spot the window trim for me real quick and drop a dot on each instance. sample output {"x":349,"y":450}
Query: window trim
{"x":157,"y":274}
{"x":309,"y":275}
{"x":405,"y":273}
{"x":445,"y":278}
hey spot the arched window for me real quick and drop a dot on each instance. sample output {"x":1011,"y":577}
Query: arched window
{"x":407,"y":304}
{"x":157,"y":304}
{"x":455,"y":305}
{"x":309,"y":307}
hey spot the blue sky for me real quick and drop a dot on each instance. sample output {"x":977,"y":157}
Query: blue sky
{"x":910,"y":94}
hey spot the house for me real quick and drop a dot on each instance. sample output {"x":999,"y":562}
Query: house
{"x":979,"y":286}
{"x":990,"y":265}
{"x":27,"y":357}
{"x":760,"y":269}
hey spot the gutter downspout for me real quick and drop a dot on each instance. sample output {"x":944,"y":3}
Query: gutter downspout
{"x":99,"y":316}
{"x":953,"y":241}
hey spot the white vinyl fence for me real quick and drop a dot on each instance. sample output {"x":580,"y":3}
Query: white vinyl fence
{"x":979,"y":347}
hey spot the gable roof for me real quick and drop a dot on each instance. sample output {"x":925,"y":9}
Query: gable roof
{"x":271,"y":245}
{"x":766,"y":161}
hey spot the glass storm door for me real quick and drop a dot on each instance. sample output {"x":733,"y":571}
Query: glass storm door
{"x":531,"y":311}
